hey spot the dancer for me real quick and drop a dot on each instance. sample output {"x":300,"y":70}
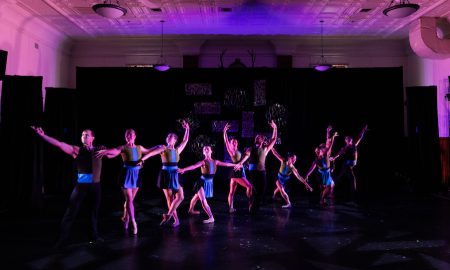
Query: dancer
{"x":203,"y":187}
{"x":237,"y":177}
{"x":88,"y":182}
{"x":257,"y":166}
{"x":286,"y":169}
{"x":168,"y":176}
{"x":322,"y":161}
{"x":350,"y":154}
{"x":130,"y":179}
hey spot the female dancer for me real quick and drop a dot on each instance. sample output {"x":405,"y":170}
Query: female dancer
{"x":168,"y":176}
{"x":129,"y":178}
{"x":322,"y":161}
{"x":286,"y":169}
{"x":203,"y":187}
{"x":237,"y":177}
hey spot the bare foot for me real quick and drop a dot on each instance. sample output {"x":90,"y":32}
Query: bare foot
{"x":286,"y":206}
{"x":194,"y":212}
{"x":232,"y":210}
{"x":209,"y":220}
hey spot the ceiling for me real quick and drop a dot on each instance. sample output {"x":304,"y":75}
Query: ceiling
{"x":342,"y":18}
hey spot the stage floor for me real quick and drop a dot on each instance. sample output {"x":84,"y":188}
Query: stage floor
{"x":391,"y":232}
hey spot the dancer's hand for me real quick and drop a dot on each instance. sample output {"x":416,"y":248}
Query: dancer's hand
{"x":101,"y":153}
{"x":185,"y":124}
{"x":237,"y":167}
{"x":273,"y":125}
{"x":329,"y":128}
{"x":226,"y":127}
{"x":38,"y":130}
{"x":180,"y":171}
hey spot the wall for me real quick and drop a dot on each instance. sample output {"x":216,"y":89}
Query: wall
{"x":425,"y":72}
{"x":34,"y":48}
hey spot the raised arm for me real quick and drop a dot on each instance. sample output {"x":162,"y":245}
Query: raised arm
{"x":328,"y":137}
{"x":66,"y":148}
{"x":273,"y":140}
{"x":192,"y":167}
{"x":225,"y":139}
{"x":335,"y":134}
{"x":185,"y":137}
{"x":361,"y":135}
{"x":109,"y":153}
{"x":277,"y":155}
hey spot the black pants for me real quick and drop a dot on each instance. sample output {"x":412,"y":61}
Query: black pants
{"x":259,"y":182}
{"x":345,"y":183}
{"x":79,"y":193}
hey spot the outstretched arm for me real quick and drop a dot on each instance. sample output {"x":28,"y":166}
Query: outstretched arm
{"x":297,"y":175}
{"x":361,"y":135}
{"x":155,"y":151}
{"x":226,"y":164}
{"x":273,"y":140}
{"x":313,"y":166}
{"x":277,"y":155}
{"x":192,"y":167}
{"x":246,"y":156}
{"x":66,"y":148}
{"x":185,"y":138}
{"x":225,"y":139}
{"x":145,"y":151}
{"x":109,"y":153}
{"x":340,"y":153}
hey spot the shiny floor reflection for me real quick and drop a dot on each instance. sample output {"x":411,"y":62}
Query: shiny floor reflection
{"x":393,"y":233}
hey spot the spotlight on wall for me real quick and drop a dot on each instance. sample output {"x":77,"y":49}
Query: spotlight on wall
{"x":109,"y":10}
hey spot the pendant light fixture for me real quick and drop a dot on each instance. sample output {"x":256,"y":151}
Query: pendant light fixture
{"x":109,"y":10}
{"x":323,"y":65}
{"x":400,"y":9}
{"x":161,"y":65}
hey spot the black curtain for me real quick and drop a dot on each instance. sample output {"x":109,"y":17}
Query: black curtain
{"x":113,"y":99}
{"x":60,"y":121}
{"x":21,"y":168}
{"x":423,"y":138}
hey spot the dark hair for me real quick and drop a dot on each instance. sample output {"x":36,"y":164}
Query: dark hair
{"x":290,"y":154}
{"x":90,"y":130}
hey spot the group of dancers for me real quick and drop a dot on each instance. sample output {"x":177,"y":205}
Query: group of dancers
{"x":88,"y":160}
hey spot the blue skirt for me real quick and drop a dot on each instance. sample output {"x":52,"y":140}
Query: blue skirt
{"x":282,"y":179}
{"x":168,"y":178}
{"x":129,"y":177}
{"x":326,"y":176}
{"x":206,"y":183}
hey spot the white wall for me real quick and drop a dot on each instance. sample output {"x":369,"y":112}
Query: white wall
{"x":426,"y":72}
{"x":34,"y":48}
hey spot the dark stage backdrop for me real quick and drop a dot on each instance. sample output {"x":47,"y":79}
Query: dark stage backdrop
{"x":113,"y":99}
{"x":21,"y":168}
